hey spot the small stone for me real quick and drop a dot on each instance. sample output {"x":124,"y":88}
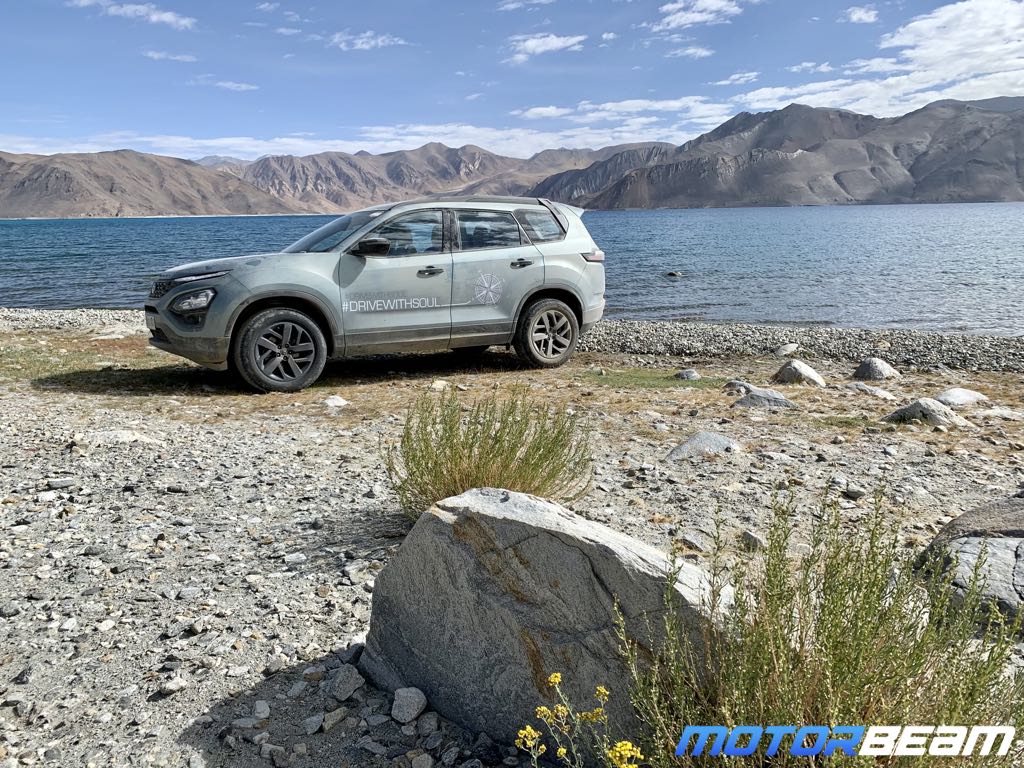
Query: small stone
{"x":752,"y":542}
{"x":46,"y":497}
{"x":173,"y":685}
{"x":334,"y":717}
{"x":347,"y":681}
{"x":57,"y":483}
{"x":958,"y":397}
{"x":261,"y":710}
{"x":688,"y":374}
{"x":70,"y":625}
{"x":312,"y":723}
{"x":439,"y":385}
{"x":334,"y":401}
{"x":798,"y":372}
{"x":928,"y":411}
{"x":314,"y":674}
{"x":704,"y":444}
{"x":854,"y":492}
{"x":428,"y":723}
{"x":295,"y":558}
{"x":409,"y":703}
{"x":423,"y":761}
{"x":106,"y":625}
{"x":9,"y":610}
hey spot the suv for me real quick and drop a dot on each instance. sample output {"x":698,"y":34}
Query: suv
{"x":445,"y":273}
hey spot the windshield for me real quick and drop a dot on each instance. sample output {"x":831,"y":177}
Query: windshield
{"x":332,"y":234}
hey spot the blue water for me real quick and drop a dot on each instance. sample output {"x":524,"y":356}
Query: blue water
{"x":932,"y":267}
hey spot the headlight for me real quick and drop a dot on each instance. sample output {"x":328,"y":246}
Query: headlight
{"x":193,"y":302}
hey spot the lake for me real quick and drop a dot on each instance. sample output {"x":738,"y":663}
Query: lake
{"x":957,"y":267}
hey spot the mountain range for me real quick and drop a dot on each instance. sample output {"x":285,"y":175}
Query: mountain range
{"x":948,"y":151}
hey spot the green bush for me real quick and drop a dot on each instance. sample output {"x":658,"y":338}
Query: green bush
{"x":849,"y":634}
{"x":509,"y":442}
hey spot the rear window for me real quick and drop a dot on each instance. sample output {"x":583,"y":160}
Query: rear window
{"x":487,"y":229}
{"x":540,"y":225}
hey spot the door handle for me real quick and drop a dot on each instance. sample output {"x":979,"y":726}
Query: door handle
{"x":429,"y":271}
{"x":520,"y":263}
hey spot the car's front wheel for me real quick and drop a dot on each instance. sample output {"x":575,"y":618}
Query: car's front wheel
{"x":279,"y":350}
{"x":547,"y":334}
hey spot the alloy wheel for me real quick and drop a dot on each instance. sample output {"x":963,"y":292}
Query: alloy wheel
{"x":285,"y":351}
{"x":551,"y":334}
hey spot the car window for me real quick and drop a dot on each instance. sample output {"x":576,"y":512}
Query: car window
{"x":487,"y":229}
{"x":540,"y":225}
{"x":412,"y":233}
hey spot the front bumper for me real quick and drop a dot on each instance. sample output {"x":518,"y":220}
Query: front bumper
{"x":202,"y":338}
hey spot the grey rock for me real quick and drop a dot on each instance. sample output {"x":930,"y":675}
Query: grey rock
{"x":312,"y":723}
{"x":57,"y":483}
{"x":295,"y":558}
{"x":423,"y":761}
{"x":958,"y":397}
{"x":688,"y":374}
{"x":875,"y":369}
{"x":752,"y":542}
{"x":173,"y":685}
{"x":519,"y":588}
{"x":409,"y":703}
{"x":798,"y":372}
{"x":261,"y":710}
{"x":333,"y":717}
{"x":704,"y":444}
{"x":787,"y":349}
{"x":867,"y":389}
{"x":995,"y":530}
{"x":928,"y":411}
{"x":758,"y":397}
{"x":346,"y":681}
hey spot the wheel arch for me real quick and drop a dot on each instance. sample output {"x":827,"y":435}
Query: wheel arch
{"x":301,"y":302}
{"x":561,"y":292}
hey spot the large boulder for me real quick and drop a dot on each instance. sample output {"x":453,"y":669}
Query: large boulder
{"x":875,"y":369}
{"x":492,"y":591}
{"x":798,"y":372}
{"x":928,"y":411}
{"x":958,"y":397}
{"x":704,"y":444}
{"x":997,"y":529}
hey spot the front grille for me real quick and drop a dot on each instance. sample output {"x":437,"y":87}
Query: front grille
{"x":160,"y":287}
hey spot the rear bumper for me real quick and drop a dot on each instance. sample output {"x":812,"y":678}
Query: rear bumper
{"x":209,"y":352}
{"x":591,"y":316}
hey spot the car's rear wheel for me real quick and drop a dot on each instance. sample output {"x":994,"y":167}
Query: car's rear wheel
{"x":280,"y":350}
{"x":547,"y":334}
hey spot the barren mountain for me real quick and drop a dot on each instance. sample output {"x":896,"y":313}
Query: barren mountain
{"x":948,"y":151}
{"x":125,"y":183}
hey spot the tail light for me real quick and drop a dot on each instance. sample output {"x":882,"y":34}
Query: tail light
{"x":595,"y":255}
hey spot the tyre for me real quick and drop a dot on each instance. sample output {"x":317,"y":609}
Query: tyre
{"x":279,"y":350}
{"x":547,"y":334}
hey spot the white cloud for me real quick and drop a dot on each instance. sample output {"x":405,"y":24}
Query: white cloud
{"x":608,"y":36}
{"x":681,"y":14}
{"x":739,"y":78}
{"x":514,"y":5}
{"x":540,"y":113}
{"x":810,"y":66}
{"x":364,"y":41}
{"x":227,"y":85}
{"x":145,"y":11}
{"x":690,"y":52}
{"x":525,"y":46}
{"x":288,"y":31}
{"x":473,"y":96}
{"x":972,"y":49}
{"x":860,"y":14}
{"x":164,"y":56}
{"x":268,"y":7}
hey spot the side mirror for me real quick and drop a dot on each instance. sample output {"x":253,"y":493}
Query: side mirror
{"x":372,"y":246}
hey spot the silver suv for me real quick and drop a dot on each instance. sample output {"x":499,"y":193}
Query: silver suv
{"x":445,"y":273}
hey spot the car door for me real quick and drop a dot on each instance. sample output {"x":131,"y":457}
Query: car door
{"x":494,"y":265}
{"x":399,"y":300}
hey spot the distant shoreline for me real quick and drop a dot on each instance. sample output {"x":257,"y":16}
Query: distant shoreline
{"x":828,"y":206}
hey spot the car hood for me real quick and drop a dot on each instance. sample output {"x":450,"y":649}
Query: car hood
{"x":216,"y":265}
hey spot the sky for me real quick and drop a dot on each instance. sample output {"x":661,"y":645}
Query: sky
{"x":246,"y":78}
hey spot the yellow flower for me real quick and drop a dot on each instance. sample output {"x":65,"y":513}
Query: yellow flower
{"x":601,"y":694}
{"x":555,"y":678}
{"x":561,"y":752}
{"x":622,"y":753}
{"x":528,"y":737}
{"x":561,"y":711}
{"x":594,"y":716}
{"x":545,"y":715}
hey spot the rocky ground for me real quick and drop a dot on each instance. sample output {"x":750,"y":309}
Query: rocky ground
{"x":186,"y":570}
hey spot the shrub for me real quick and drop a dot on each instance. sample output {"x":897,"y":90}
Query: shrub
{"x":498,"y":442}
{"x":849,"y":634}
